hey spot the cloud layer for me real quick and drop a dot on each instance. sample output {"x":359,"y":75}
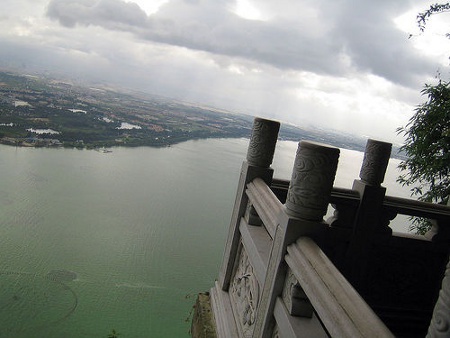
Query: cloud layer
{"x":324,"y":39}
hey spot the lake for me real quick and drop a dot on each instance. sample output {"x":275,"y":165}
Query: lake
{"x":93,"y":241}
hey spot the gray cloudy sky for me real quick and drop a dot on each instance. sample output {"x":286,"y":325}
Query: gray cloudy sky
{"x":346,"y":65}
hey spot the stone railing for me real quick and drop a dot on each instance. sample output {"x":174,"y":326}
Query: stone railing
{"x":288,"y":273}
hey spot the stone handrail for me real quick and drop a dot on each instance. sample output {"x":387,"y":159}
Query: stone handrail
{"x":400,"y":205}
{"x":417,"y":208}
{"x":340,"y":308}
{"x":338,"y":194}
{"x":265,"y":203}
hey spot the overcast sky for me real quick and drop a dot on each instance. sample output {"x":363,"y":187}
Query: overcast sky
{"x":346,"y":65}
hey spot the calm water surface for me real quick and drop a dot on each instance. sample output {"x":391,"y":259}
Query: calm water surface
{"x":91,"y":241}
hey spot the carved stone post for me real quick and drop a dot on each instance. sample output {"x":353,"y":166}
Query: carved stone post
{"x":376,"y":159}
{"x":368,"y":221}
{"x":440,"y":322}
{"x":309,"y":191}
{"x":259,"y":158}
{"x":312,"y":180}
{"x":262,"y":142}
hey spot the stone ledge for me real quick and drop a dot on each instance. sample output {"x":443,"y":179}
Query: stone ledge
{"x":203,"y":325}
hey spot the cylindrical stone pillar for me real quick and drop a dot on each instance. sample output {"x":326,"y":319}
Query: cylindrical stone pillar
{"x":376,"y":159}
{"x":312,"y":180}
{"x":262,"y":142}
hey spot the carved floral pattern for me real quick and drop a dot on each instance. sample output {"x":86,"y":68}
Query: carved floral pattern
{"x":262,"y":142}
{"x":244,"y":292}
{"x":376,"y":158}
{"x":312,"y":180}
{"x":440,"y":322}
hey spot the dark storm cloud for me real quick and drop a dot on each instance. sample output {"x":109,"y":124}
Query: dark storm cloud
{"x":207,"y":26}
{"x":357,"y":36}
{"x":371,"y":39}
{"x":108,"y":13}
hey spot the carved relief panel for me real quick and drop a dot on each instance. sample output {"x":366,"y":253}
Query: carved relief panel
{"x":244,"y":293}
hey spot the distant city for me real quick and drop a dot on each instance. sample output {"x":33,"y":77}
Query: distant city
{"x":37,"y":111}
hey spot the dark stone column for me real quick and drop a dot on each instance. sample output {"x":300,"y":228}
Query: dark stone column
{"x":370,"y":222}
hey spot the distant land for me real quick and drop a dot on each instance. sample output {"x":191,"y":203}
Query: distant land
{"x":38,"y":111}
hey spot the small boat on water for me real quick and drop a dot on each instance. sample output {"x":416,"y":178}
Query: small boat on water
{"x":103,"y":150}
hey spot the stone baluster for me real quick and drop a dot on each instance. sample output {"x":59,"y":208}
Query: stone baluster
{"x":259,"y":158}
{"x":369,"y":222}
{"x":440,"y":322}
{"x":309,"y":191}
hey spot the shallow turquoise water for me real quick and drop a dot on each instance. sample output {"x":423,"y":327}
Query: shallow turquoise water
{"x":142,"y":228}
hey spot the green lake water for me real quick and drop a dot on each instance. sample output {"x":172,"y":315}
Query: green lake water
{"x":92,"y":241}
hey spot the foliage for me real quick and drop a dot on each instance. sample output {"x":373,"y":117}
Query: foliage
{"x":423,"y":17}
{"x":428,"y":139}
{"x":427,"y":147}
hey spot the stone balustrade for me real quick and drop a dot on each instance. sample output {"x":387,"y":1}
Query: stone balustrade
{"x":288,"y":273}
